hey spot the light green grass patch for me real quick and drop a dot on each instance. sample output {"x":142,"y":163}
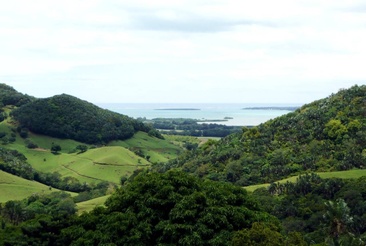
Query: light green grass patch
{"x":181,"y":140}
{"x":159,"y":150}
{"x":114,"y":155}
{"x":15,"y":188}
{"x":89,"y":205}
{"x":108,"y":163}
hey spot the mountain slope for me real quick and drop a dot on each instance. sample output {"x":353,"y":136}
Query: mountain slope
{"x":65,"y":116}
{"x":325,"y":135}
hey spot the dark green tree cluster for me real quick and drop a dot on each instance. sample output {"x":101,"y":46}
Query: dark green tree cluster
{"x":151,"y":209}
{"x":9,"y":96}
{"x":325,"y":135}
{"x":330,"y":211}
{"x":65,"y":116}
{"x":36,"y":220}
{"x":166,"y":209}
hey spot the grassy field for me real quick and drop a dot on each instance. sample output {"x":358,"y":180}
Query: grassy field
{"x":106,"y":163}
{"x":16,"y":188}
{"x":350,"y":174}
{"x":159,"y":150}
{"x":91,"y":204}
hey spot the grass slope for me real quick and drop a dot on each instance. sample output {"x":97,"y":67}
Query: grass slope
{"x":91,"y":204}
{"x":159,"y":150}
{"x":16,"y":188}
{"x":349,"y":174}
{"x":107,"y":163}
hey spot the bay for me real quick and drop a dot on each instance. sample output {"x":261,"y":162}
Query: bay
{"x":233,"y":114}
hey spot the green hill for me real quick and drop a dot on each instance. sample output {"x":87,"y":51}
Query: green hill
{"x":68,"y":117}
{"x":95,"y":145}
{"x":325,"y":135}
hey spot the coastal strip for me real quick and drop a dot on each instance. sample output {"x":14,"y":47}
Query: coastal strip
{"x":186,"y":109}
{"x":271,"y":108}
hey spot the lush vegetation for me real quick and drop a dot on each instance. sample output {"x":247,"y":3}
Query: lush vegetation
{"x":329,"y":211}
{"x":151,"y":209}
{"x":64,"y":116}
{"x":183,"y":201}
{"x":9,"y":96}
{"x":325,"y":135}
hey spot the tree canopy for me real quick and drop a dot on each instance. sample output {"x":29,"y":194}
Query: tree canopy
{"x":173,"y":208}
{"x":9,"y":96}
{"x":65,"y":116}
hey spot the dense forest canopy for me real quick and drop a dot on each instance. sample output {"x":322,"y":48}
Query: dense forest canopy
{"x":65,"y":116}
{"x":9,"y":96}
{"x":174,"y":208}
{"x":325,"y":135}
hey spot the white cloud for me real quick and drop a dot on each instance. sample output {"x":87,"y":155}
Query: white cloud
{"x":227,"y":51}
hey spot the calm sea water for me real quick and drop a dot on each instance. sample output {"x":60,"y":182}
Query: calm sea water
{"x":239,"y":116}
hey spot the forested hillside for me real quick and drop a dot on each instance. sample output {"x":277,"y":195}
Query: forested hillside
{"x":9,"y":96}
{"x":65,"y":116}
{"x":325,"y":135}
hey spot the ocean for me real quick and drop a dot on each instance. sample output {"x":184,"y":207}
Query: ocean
{"x":233,"y":114}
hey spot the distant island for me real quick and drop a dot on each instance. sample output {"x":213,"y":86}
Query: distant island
{"x":187,"y":109}
{"x":271,"y":108}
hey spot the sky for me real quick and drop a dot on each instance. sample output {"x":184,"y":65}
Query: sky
{"x":193,"y":51}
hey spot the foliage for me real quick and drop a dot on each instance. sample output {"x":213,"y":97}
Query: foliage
{"x":64,"y":116}
{"x":36,"y":220}
{"x":330,"y":211}
{"x":165,"y":209}
{"x":325,"y":135}
{"x":259,"y":234}
{"x":9,"y":96}
{"x":55,"y":148}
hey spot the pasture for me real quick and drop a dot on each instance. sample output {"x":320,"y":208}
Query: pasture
{"x":15,"y":188}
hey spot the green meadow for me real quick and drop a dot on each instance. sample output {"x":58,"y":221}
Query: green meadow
{"x":159,"y":150}
{"x":15,"y":188}
{"x":91,"y":204}
{"x":98,"y":163}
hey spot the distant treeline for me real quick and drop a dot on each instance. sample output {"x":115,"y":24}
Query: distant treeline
{"x":191,"y":127}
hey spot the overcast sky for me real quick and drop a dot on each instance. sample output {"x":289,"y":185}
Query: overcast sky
{"x":283,"y":51}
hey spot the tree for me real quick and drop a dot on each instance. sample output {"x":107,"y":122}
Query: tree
{"x":338,"y":218}
{"x":260,"y":234}
{"x":55,"y":148}
{"x":82,"y":148}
